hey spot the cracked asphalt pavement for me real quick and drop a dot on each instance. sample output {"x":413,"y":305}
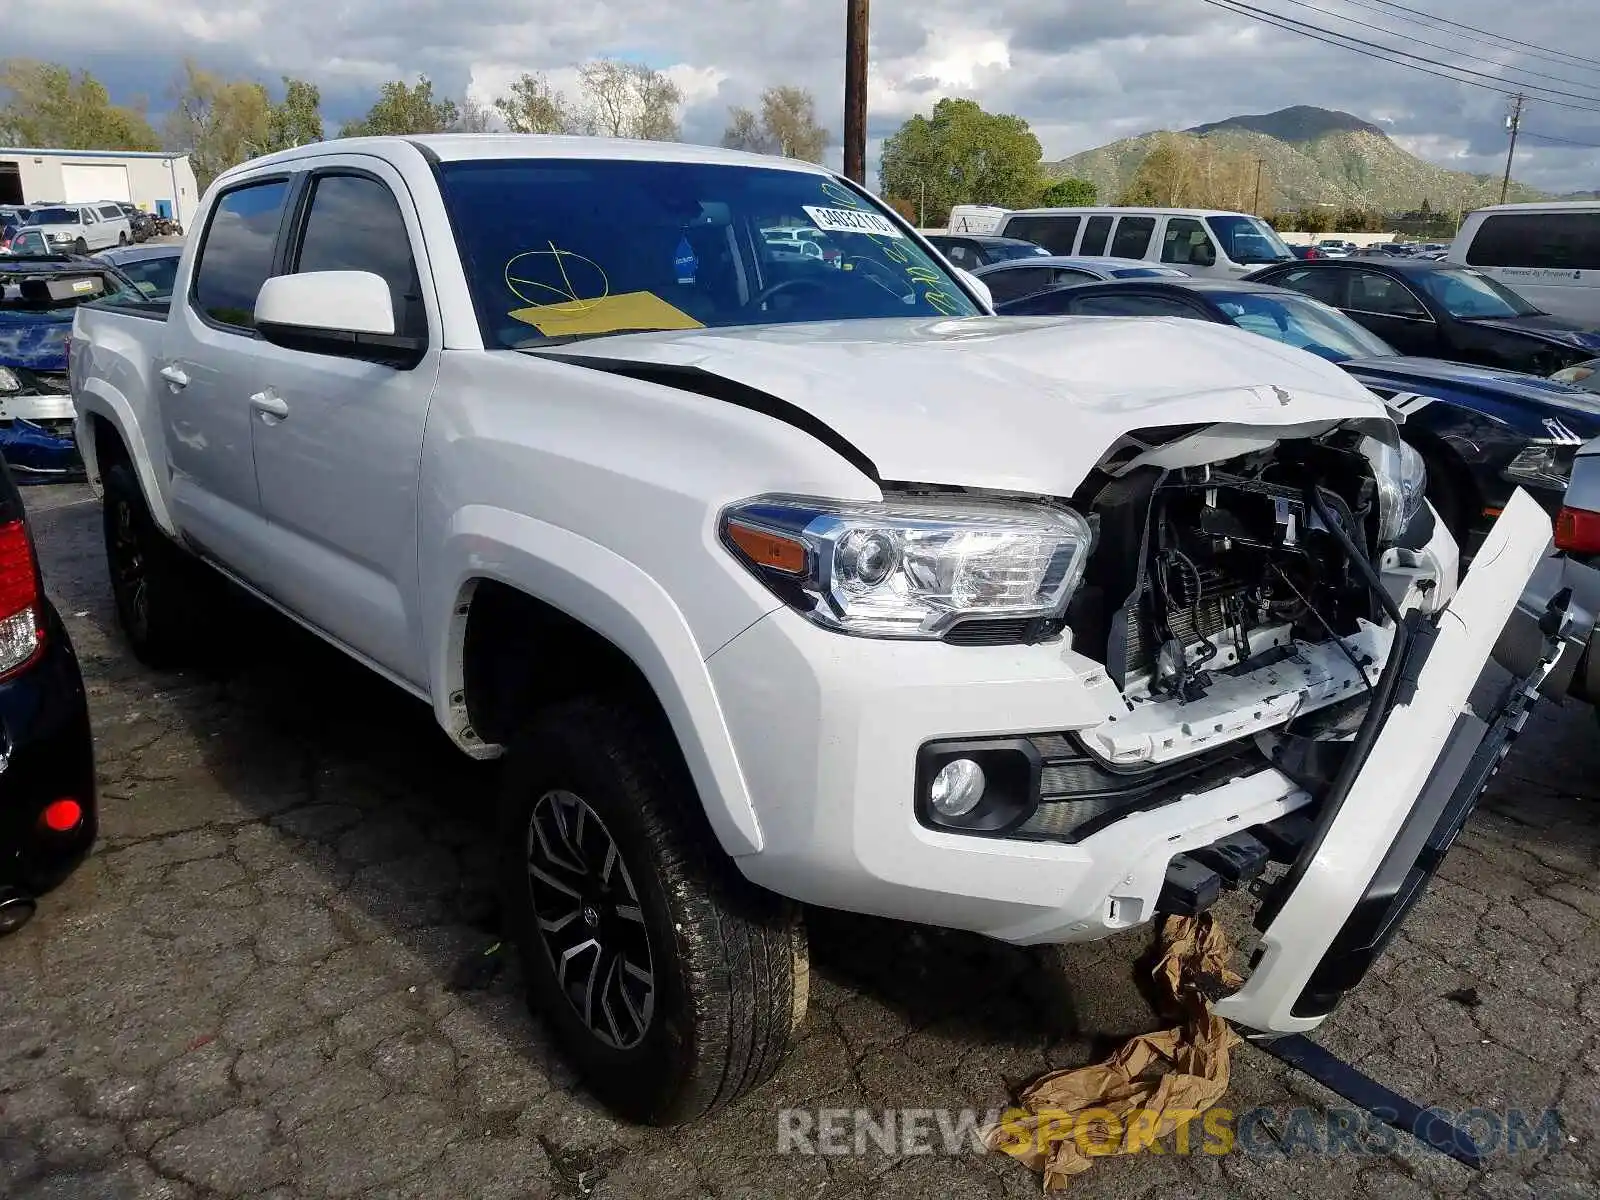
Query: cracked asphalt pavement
{"x":247,"y":991}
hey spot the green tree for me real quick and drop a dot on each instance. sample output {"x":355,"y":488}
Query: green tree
{"x":46,"y":105}
{"x":218,"y":123}
{"x":297,"y":119}
{"x":1427,"y":208}
{"x":789,"y":115}
{"x":787,"y":125}
{"x":960,"y":155}
{"x":404,"y":109}
{"x":533,"y":106}
{"x":631,"y":100}
{"x":745,"y":132}
{"x":1314,"y":220}
{"x":1069,"y":193}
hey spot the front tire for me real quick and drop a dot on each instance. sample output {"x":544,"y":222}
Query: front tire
{"x":80,"y":247}
{"x":671,"y":983}
{"x":159,"y":590}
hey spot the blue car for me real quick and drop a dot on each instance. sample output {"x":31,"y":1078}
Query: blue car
{"x":39,"y":295}
{"x":48,"y":802}
{"x":1483,"y":432}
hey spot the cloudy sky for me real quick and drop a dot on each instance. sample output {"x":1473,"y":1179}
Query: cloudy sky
{"x":1082,"y":72}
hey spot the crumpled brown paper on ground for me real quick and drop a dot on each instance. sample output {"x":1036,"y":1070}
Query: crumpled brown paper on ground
{"x":1145,"y":1090}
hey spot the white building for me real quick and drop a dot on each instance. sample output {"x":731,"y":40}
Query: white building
{"x":158,"y":182}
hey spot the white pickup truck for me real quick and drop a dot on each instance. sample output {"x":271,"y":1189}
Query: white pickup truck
{"x":787,"y":581}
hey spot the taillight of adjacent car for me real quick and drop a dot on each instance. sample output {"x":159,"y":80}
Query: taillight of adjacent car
{"x":21,"y":614}
{"x":1578,"y":531}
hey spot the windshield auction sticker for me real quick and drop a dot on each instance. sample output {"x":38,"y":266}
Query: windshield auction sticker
{"x":846,"y":220}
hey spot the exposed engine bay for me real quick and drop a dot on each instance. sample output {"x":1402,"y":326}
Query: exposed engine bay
{"x":1227,"y":596}
{"x":1230,"y":555}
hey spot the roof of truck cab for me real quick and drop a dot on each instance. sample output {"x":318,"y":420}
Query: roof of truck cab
{"x":462,"y":147}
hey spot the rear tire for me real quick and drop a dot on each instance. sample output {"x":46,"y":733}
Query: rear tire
{"x":683,"y":984}
{"x":122,"y":239}
{"x":160,"y":591}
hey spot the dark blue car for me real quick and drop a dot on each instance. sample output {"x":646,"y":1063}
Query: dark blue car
{"x":48,"y":809}
{"x":1483,"y":432}
{"x":39,"y":296}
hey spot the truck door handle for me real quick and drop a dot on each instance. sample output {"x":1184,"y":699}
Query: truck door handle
{"x":175,"y":375}
{"x":270,"y":405}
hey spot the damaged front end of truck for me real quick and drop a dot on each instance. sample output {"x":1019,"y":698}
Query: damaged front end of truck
{"x":1284,"y":600}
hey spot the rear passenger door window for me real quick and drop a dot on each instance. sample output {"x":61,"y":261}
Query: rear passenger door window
{"x":1133,"y":237}
{"x":1096,"y":233}
{"x":1017,"y":282}
{"x":1105,"y":304}
{"x":353,"y":223}
{"x":236,"y":254}
{"x":1553,"y":241}
{"x":1056,"y":232}
{"x":1384,"y":296}
{"x":962,"y":255}
{"x":1326,"y":285}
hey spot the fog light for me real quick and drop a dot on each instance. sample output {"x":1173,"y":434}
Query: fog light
{"x":62,"y":816}
{"x":957,"y":788}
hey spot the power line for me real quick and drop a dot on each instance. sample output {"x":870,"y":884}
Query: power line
{"x":1310,"y":30}
{"x":1493,"y":39}
{"x":1546,"y":137}
{"x":1379,"y":51}
{"x":1456,"y":50}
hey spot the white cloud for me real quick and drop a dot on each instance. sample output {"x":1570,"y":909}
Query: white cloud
{"x":1082,"y":72}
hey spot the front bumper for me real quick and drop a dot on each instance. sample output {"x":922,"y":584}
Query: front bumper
{"x":1375,"y":851}
{"x":829,"y":729}
{"x":48,"y":755}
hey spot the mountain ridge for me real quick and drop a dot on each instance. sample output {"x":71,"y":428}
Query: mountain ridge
{"x":1311,"y":157}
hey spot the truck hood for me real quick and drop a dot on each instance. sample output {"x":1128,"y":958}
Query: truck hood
{"x":1022,"y":404}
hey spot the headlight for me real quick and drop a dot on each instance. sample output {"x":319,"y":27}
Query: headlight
{"x":9,"y":381}
{"x":1402,"y":487}
{"x":1543,"y":466}
{"x":913,"y":569}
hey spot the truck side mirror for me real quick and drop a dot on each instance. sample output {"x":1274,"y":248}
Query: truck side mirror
{"x":349,"y":314}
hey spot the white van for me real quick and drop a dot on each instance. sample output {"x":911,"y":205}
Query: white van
{"x":82,"y":228}
{"x":1548,"y":253}
{"x":975,"y":218}
{"x":1197,"y":241}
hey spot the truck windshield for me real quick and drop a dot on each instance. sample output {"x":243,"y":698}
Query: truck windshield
{"x":54,"y":216}
{"x":558,"y":249}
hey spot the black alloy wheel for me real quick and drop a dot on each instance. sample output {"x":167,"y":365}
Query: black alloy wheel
{"x":590,"y":920}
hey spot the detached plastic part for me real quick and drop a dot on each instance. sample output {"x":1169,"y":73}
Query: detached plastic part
{"x":1190,"y":888}
{"x":1238,"y":859}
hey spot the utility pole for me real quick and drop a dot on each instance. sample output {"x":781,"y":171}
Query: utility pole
{"x":1260,"y":162}
{"x":855,"y":91}
{"x":1514,"y":124}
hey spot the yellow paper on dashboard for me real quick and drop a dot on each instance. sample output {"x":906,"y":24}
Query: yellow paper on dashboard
{"x":606,"y":314}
